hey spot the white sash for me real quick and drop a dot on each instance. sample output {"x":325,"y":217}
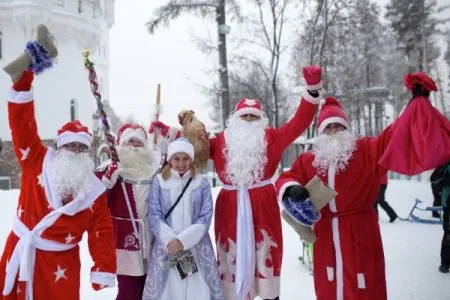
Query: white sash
{"x":245,"y":238}
{"x":23,"y":257}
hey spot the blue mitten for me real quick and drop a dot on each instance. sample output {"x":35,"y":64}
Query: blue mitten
{"x":304,"y":212}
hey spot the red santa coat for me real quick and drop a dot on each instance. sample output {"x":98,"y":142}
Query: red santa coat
{"x":348,"y":252}
{"x":264,"y":207}
{"x":42,"y":249}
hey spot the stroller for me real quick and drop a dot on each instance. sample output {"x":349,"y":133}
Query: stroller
{"x":413,"y":218}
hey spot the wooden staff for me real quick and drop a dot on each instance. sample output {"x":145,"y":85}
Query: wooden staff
{"x":158,"y":102}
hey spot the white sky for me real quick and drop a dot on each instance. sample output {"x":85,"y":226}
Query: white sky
{"x":139,"y":61}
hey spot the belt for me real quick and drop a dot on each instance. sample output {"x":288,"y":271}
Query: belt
{"x":23,"y":257}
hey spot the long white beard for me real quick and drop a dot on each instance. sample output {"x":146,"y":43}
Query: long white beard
{"x":72,"y":173}
{"x":135,"y":162}
{"x":337,"y":147}
{"x":246,"y":150}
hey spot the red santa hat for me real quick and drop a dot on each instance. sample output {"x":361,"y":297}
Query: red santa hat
{"x":131,"y":130}
{"x":73,"y":132}
{"x":331,"y":112}
{"x":248,"y":107}
{"x":421,"y":78}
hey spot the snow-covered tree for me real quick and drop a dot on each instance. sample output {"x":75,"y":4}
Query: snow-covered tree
{"x":205,"y":8}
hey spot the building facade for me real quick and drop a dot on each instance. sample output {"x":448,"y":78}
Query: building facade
{"x":62,"y":93}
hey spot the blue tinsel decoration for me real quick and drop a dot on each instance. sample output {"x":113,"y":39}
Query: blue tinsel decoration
{"x":40,"y":57}
{"x":303,"y":212}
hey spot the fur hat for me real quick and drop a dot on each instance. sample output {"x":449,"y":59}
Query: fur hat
{"x":131,"y":130}
{"x":180,"y":145}
{"x":248,"y":106}
{"x":331,"y":112}
{"x":73,"y":132}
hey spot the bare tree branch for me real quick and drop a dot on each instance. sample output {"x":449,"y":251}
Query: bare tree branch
{"x":172,"y":10}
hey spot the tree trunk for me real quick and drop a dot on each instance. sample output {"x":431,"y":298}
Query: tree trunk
{"x":223,"y":66}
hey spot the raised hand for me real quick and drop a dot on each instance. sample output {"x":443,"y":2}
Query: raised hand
{"x":109,"y":179}
{"x":297,"y":193}
{"x":313,"y":77}
{"x":159,"y":126}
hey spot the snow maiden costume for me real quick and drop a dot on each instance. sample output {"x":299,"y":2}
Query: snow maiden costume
{"x":188,"y":222}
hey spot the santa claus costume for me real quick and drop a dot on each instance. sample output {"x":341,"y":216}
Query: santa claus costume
{"x":348,"y":252}
{"x":247,"y":221}
{"x":128,"y":183}
{"x":41,"y":257}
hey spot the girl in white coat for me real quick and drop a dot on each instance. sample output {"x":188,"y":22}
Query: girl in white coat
{"x":182,"y":265}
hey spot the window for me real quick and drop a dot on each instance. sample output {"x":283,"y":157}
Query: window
{"x":80,"y":6}
{"x":5,"y":182}
{"x":73,"y":110}
{"x":58,"y":3}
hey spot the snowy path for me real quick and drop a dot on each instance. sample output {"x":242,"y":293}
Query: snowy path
{"x":411,"y":252}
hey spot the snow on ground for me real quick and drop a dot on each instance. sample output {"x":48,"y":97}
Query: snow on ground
{"x":411,"y":251}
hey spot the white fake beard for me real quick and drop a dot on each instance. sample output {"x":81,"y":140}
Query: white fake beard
{"x":337,"y":147}
{"x":246,"y":150}
{"x":135,"y":162}
{"x":72,"y":173}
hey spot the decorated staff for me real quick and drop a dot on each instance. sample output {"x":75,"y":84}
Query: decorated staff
{"x":93,"y":82}
{"x":130,"y":169}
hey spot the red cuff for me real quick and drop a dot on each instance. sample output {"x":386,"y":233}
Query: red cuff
{"x":24,"y":83}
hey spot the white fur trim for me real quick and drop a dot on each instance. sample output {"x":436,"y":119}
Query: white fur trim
{"x":178,"y":146}
{"x":70,"y":137}
{"x":248,"y":111}
{"x":314,"y":87}
{"x":361,"y":281}
{"x":191,"y":235}
{"x":284,"y":188}
{"x":129,"y":133}
{"x":103,"y":278}
{"x":331,"y":120}
{"x":109,"y":184}
{"x":336,"y":237}
{"x":311,"y":99}
{"x":330,"y":273}
{"x":20,"y":96}
{"x":166,"y":233}
{"x":130,"y":263}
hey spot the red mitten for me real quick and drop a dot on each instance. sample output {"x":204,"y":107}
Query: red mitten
{"x":313,"y":77}
{"x":159,"y":126}
{"x":109,"y":179}
{"x":24,"y":83}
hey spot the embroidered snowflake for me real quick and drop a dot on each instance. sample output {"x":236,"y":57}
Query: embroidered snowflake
{"x":250,"y":102}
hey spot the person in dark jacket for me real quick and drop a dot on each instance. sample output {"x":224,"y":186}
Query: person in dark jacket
{"x":381,"y":200}
{"x":436,"y":187}
{"x":444,"y":183}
